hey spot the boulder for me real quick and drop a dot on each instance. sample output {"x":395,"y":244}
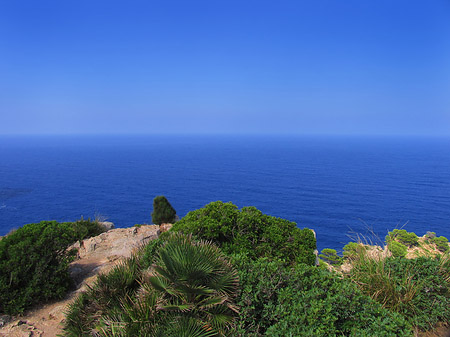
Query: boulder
{"x":107,"y":225}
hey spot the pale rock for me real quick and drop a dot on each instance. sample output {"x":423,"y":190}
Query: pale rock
{"x":107,"y":225}
{"x":165,"y":227}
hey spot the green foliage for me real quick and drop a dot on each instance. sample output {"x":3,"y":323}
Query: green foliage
{"x":414,"y":288}
{"x":187,"y":290}
{"x":353,"y":249}
{"x":430,"y":235}
{"x":441,"y":243}
{"x":83,"y":229}
{"x":248,"y":231}
{"x":330,"y":256}
{"x":34,"y":262}
{"x":397,"y":249}
{"x":276,"y":300}
{"x":409,"y":239}
{"x":104,"y":297}
{"x":163,"y":212}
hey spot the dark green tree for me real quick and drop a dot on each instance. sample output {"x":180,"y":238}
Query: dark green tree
{"x":163,"y":212}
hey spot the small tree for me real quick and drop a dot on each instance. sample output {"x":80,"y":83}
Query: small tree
{"x":163,"y":212}
{"x":330,"y":256}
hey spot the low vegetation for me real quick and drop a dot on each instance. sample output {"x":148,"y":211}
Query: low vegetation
{"x":188,"y":289}
{"x":224,"y":271}
{"x":397,"y":249}
{"x":34,"y":262}
{"x":408,"y":239}
{"x":276,"y":300}
{"x":417,"y":288}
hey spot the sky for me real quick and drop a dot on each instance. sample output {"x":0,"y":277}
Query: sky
{"x":375,"y":67}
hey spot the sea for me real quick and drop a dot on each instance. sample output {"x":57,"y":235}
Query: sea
{"x":342,"y":187}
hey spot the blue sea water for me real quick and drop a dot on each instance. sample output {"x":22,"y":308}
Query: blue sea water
{"x":337,"y":186}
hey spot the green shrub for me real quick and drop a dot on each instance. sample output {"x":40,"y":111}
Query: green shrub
{"x":187,"y":290}
{"x":163,"y":212}
{"x":430,"y":235}
{"x":330,"y":256}
{"x":397,"y":249}
{"x":441,"y":243}
{"x":248,"y":231}
{"x":414,"y":288}
{"x":34,"y":262}
{"x":402,"y":236}
{"x":83,"y":229}
{"x":353,"y":249}
{"x":275,"y":300}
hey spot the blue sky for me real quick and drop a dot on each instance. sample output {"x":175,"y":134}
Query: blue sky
{"x":377,"y":67}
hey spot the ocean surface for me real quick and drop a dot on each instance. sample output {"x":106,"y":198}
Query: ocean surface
{"x":338,"y":186}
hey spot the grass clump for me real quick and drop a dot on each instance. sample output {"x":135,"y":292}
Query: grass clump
{"x":414,"y":288}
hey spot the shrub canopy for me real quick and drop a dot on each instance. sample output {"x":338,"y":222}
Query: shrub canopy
{"x":409,"y":239}
{"x":417,"y":288}
{"x":397,"y":249}
{"x":276,"y":300}
{"x":249,"y":231}
{"x":34,"y":262}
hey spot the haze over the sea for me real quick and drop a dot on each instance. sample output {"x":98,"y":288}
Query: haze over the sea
{"x":264,"y":67}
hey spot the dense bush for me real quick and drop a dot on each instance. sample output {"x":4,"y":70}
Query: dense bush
{"x":397,"y":249}
{"x":402,"y":236}
{"x":415,"y":288}
{"x":431,"y":303}
{"x":163,"y":212}
{"x":249,"y":231}
{"x":430,"y":235}
{"x":187,"y":290}
{"x":34,"y":262}
{"x":305,"y":301}
{"x":83,"y":229}
{"x":441,"y":243}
